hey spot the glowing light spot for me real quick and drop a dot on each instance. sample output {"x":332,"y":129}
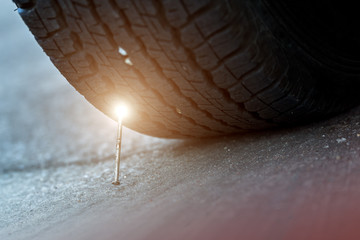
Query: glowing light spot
{"x":128,"y":61}
{"x":121,"y":111}
{"x":122,"y":51}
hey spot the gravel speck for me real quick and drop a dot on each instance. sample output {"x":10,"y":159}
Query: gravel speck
{"x":341,"y":140}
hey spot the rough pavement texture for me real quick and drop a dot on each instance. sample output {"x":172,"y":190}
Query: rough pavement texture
{"x":56,"y":159}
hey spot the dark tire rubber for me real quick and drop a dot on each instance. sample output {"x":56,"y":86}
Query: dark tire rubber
{"x":189,"y":68}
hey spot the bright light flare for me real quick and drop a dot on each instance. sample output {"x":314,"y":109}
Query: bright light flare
{"x":121,"y":111}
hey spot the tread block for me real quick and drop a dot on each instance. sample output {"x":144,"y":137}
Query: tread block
{"x":174,"y":54}
{"x":255,"y":105}
{"x":175,"y":13}
{"x":83,"y":64}
{"x":223,"y":78}
{"x":212,"y":20}
{"x":258,"y":79}
{"x":34,"y":23}
{"x":224,"y":42}
{"x":51,"y":47}
{"x":205,"y":57}
{"x":158,"y":30}
{"x":99,"y":84}
{"x":240,"y":63}
{"x":86,"y":14}
{"x":239,"y":93}
{"x":274,"y":92}
{"x":191,"y":36}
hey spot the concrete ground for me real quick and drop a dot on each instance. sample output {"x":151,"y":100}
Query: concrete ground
{"x":56,"y":159}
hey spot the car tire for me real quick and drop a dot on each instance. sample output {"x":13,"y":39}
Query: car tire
{"x":190,"y":68}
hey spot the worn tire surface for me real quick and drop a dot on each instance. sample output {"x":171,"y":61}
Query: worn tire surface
{"x":188,"y":68}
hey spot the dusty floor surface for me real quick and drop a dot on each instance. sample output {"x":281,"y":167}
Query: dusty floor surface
{"x":56,"y":159}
